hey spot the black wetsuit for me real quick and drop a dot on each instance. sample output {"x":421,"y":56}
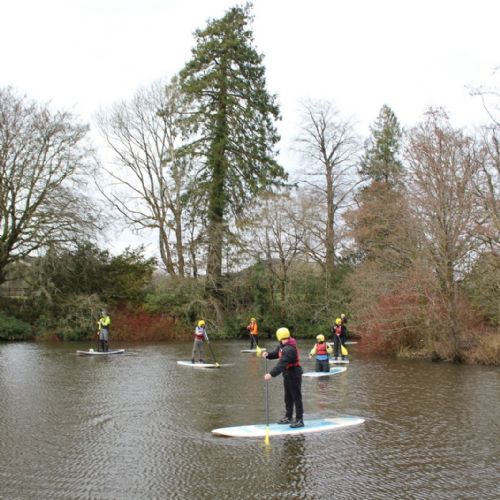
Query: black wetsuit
{"x":289,"y":366}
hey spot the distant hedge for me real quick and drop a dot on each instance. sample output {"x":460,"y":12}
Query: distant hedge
{"x":14,"y":329}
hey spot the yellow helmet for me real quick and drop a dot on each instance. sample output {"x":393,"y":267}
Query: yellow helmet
{"x":338,"y":321}
{"x":320,"y":338}
{"x":253,"y":319}
{"x":282,"y":333}
{"x":201,"y":323}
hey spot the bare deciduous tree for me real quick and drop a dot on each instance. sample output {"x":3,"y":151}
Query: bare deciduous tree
{"x":43,"y":162}
{"x":443,"y":167}
{"x":330,"y":149}
{"x":488,"y":189}
{"x":152,"y":179}
{"x":277,"y":237}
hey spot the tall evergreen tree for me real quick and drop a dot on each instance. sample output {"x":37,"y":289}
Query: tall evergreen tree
{"x":381,"y":224}
{"x":234,"y":124}
{"x":381,"y":161}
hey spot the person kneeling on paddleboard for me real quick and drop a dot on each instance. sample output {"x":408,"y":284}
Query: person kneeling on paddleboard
{"x":322,"y":351}
{"x":289,"y":366}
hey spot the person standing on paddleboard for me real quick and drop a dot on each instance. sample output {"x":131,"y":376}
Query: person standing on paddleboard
{"x":200,"y":335}
{"x":253,"y":329}
{"x":103,"y":331}
{"x":343,"y":319}
{"x":321,"y":351}
{"x":338,"y":338}
{"x":289,"y":366}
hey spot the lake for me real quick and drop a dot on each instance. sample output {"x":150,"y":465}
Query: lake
{"x":138,"y":426}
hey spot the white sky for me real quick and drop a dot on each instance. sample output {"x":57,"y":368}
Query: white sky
{"x":359,"y":54}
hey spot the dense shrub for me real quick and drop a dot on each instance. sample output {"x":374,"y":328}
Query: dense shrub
{"x":14,"y":329}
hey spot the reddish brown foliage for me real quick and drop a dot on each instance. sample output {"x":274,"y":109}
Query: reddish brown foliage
{"x":139,"y":325}
{"x":415,"y":322}
{"x":394,"y":322}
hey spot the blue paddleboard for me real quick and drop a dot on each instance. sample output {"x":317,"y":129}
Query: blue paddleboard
{"x":91,"y":352}
{"x":312,"y":425}
{"x":339,"y":361}
{"x":198,"y":365}
{"x":333,"y":371}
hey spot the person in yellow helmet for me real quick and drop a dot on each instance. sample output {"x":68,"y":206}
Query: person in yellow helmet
{"x":343,"y":318}
{"x":289,"y":366}
{"x":103,"y":331}
{"x":253,"y":329}
{"x":338,"y":337}
{"x":200,"y":335}
{"x":321,"y":351}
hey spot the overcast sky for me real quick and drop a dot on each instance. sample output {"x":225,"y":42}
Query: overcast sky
{"x":360,"y":54}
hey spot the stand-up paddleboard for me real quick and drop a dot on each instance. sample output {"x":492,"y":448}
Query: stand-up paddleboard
{"x":91,"y":352}
{"x":339,"y":361}
{"x":253,"y":350}
{"x":313,"y":425}
{"x":198,"y":365}
{"x":333,"y":371}
{"x":350,"y":342}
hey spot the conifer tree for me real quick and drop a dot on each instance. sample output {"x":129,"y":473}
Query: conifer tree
{"x":381,"y":161}
{"x":233,"y":122}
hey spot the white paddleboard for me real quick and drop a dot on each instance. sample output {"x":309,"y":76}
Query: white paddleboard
{"x":350,"y":342}
{"x":91,"y":352}
{"x":198,"y":364}
{"x":312,"y":425}
{"x":339,"y":361}
{"x":253,"y":350}
{"x":333,"y":371}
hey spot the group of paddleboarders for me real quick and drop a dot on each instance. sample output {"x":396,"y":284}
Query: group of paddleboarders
{"x":288,"y":361}
{"x":322,"y":350}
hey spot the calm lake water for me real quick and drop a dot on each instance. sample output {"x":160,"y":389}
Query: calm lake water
{"x":137,"y":426}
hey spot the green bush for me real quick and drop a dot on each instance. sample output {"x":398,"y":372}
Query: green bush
{"x":14,"y":329}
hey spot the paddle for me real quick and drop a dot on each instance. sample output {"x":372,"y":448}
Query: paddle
{"x":343,"y":350}
{"x":211,"y":350}
{"x":266,"y":437}
{"x":258,"y":351}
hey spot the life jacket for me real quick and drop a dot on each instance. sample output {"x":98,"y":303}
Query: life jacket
{"x":253,"y":328}
{"x":292,"y":342}
{"x":337,"y":329}
{"x":321,"y":349}
{"x":104,"y":322}
{"x":199,"y":333}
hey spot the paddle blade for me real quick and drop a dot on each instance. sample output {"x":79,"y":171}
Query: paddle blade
{"x":266,"y":437}
{"x":343,"y":350}
{"x":258,"y":351}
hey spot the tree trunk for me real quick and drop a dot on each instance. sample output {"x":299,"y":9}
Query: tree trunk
{"x":329,"y":239}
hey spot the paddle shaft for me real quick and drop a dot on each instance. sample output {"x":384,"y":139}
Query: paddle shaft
{"x":267,"y":394}
{"x":210,"y":346}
